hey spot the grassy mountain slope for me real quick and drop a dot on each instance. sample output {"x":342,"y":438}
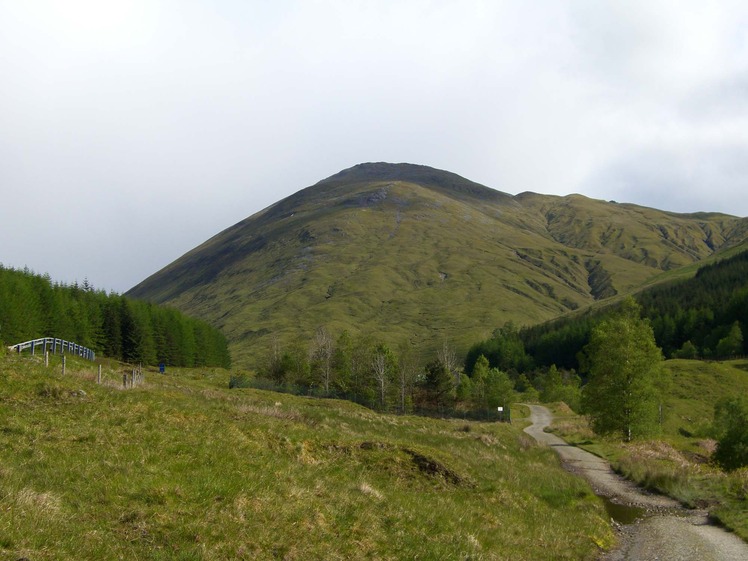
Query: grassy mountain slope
{"x":410,"y":253}
{"x":183,"y":468}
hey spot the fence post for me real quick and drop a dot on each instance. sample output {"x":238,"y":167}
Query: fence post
{"x":46,"y":359}
{"x":32,"y":348}
{"x":124,"y":380}
{"x":98,"y":376}
{"x":63,"y":365}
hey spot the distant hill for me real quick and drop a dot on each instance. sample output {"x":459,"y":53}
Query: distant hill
{"x":410,"y":253}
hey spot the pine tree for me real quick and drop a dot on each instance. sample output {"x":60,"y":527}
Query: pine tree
{"x":438,"y":383}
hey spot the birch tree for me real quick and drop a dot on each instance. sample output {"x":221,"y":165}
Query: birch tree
{"x":382,"y":367}
{"x":624,"y":364}
{"x":323,"y":349}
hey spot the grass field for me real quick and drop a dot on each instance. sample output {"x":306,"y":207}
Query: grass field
{"x":678,"y":463}
{"x":181,"y":467}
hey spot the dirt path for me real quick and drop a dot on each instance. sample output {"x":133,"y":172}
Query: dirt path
{"x":667,"y":532}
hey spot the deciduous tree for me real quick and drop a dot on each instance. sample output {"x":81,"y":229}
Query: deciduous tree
{"x":322,"y":352}
{"x":732,"y":344}
{"x":624,"y":364}
{"x":382,"y":368}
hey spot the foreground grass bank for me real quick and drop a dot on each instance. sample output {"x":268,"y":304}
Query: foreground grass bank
{"x":183,"y":468}
{"x":678,"y":462}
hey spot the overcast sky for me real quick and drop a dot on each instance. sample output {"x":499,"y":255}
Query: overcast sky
{"x":132,"y":131}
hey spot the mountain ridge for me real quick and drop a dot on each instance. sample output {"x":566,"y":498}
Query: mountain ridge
{"x":410,"y":253}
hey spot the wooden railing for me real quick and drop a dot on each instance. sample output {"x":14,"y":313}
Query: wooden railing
{"x":54,"y":345}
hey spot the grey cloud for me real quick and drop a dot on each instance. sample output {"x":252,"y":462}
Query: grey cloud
{"x":706,"y":179}
{"x":137,"y":130}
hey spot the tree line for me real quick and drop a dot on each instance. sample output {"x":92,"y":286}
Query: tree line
{"x":702,"y":317}
{"x":32,"y":306}
{"x":373,"y":374}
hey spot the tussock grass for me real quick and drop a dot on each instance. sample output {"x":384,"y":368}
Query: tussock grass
{"x":184,"y":468}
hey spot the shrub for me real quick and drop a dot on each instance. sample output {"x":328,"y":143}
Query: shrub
{"x":239,"y":381}
{"x":731,"y":431}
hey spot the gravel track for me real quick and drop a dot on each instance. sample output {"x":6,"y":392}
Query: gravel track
{"x":667,"y":532}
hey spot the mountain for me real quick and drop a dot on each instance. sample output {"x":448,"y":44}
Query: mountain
{"x":410,"y":253}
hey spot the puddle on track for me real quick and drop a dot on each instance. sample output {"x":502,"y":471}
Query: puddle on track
{"x":623,"y":514}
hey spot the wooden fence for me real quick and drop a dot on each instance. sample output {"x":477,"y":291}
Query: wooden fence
{"x":54,"y":346}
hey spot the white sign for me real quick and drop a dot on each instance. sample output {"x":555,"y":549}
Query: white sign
{"x":500,"y":409}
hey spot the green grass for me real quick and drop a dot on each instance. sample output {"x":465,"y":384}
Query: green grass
{"x":678,"y":462}
{"x":181,"y":467}
{"x":695,"y":386}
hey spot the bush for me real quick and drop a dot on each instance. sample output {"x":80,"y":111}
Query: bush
{"x":239,"y":381}
{"x":731,"y":431}
{"x":687,"y":351}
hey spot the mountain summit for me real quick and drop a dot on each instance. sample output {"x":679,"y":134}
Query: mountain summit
{"x":409,"y":253}
{"x":444,"y":181}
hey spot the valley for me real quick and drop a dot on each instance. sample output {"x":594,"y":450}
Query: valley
{"x":372,"y":285}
